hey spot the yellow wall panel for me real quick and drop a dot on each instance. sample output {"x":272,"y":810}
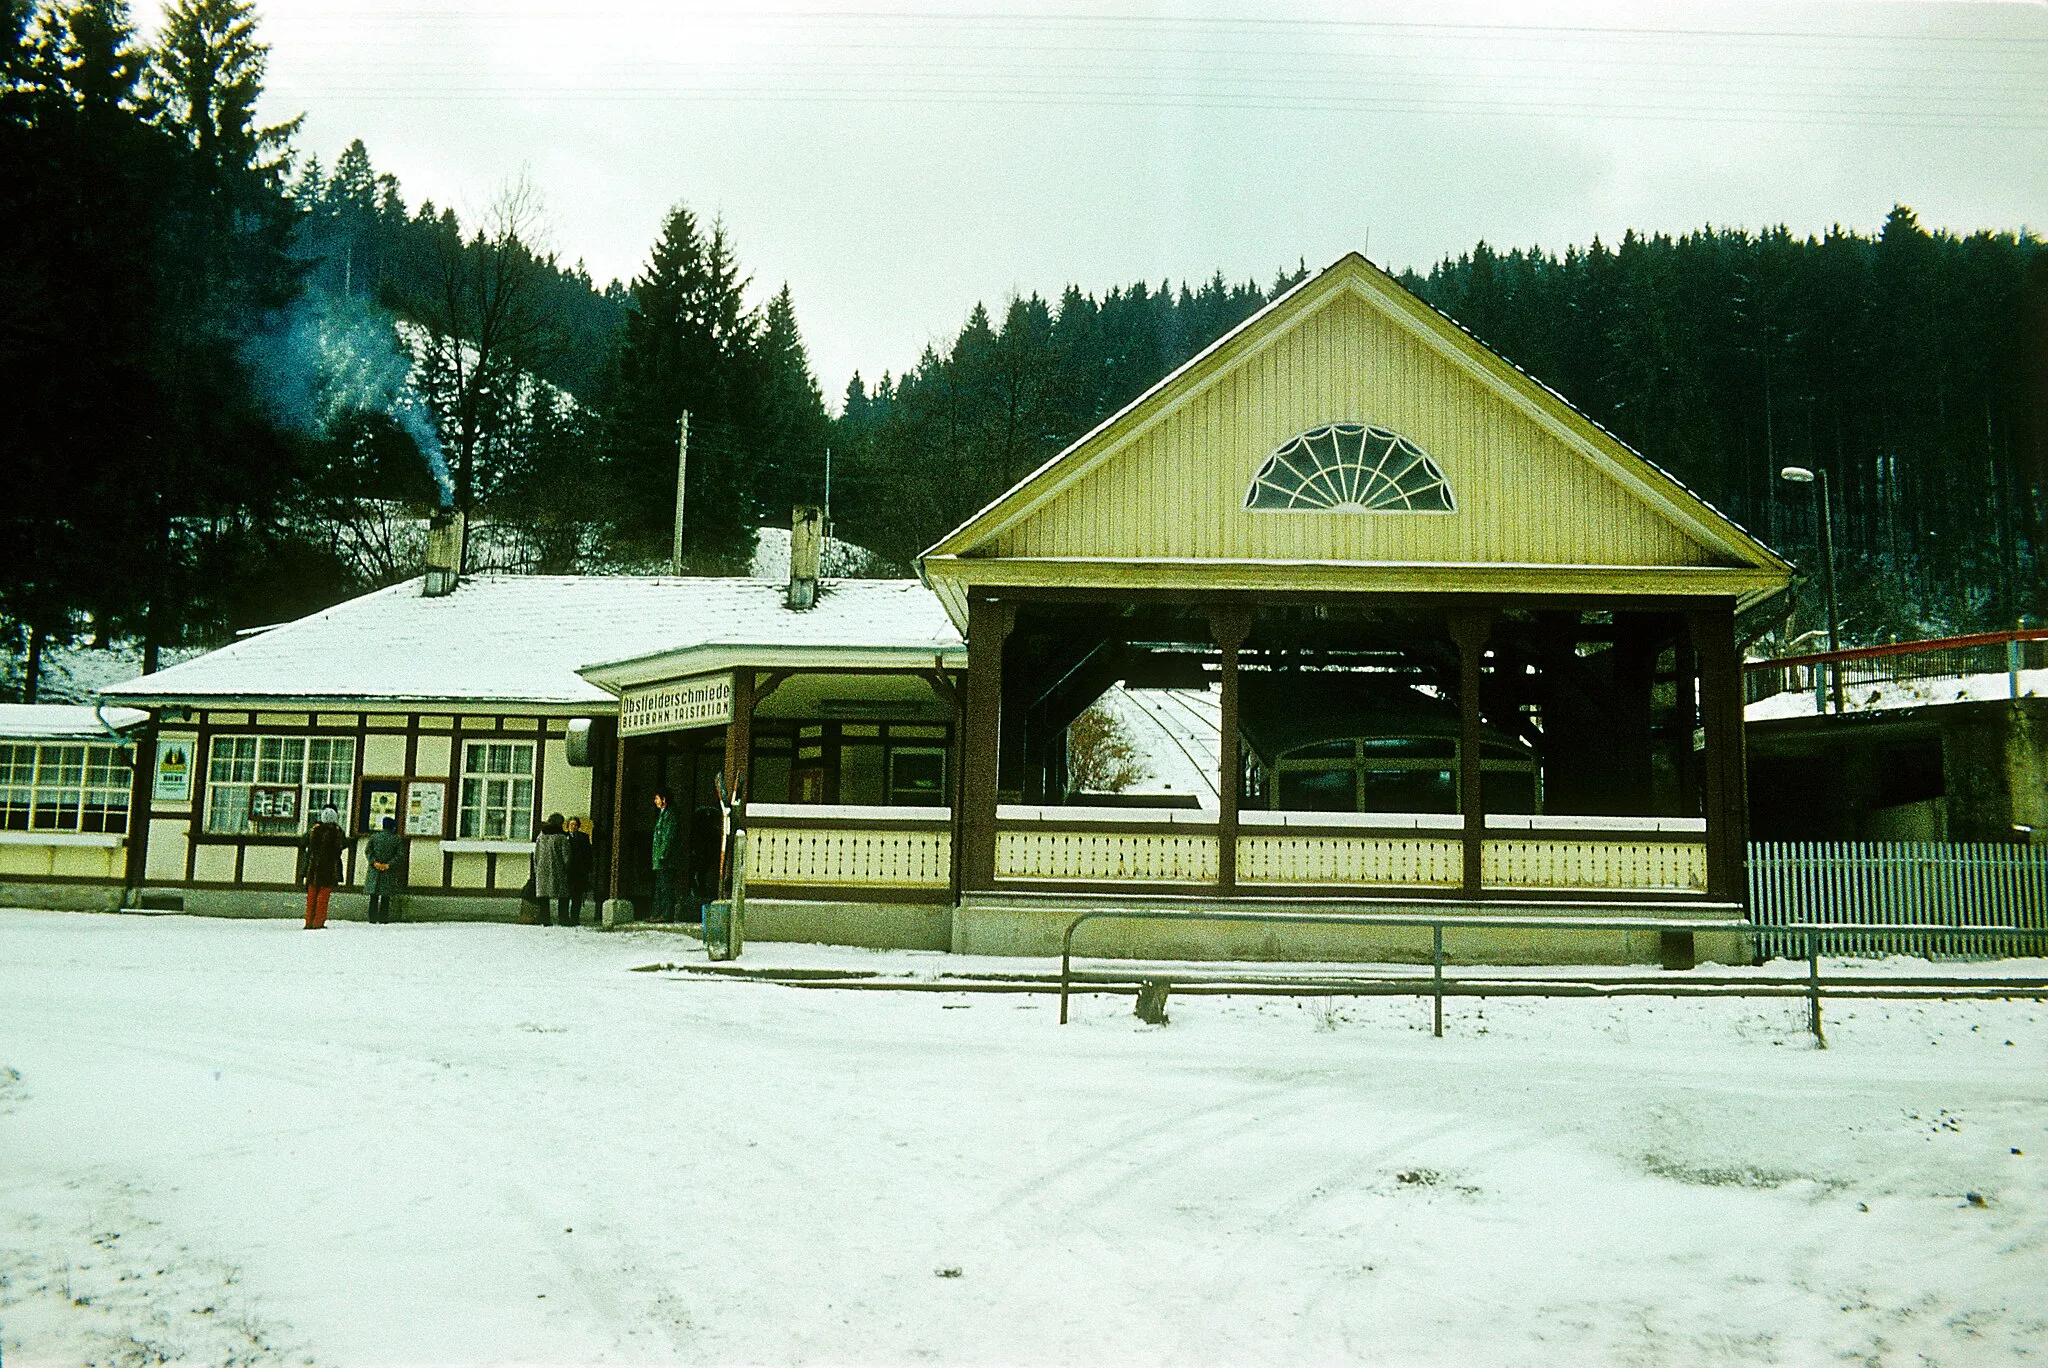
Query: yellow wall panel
{"x":88,"y":862}
{"x":214,"y":864}
{"x":1177,"y":490}
{"x":564,"y":788}
{"x":1350,"y":860}
{"x":270,"y":864}
{"x":25,"y":860}
{"x":423,"y":864}
{"x":467,"y":870}
{"x":166,"y":858}
{"x":384,"y":755}
{"x":513,"y":870}
{"x":431,"y":758}
{"x":1674,"y":866}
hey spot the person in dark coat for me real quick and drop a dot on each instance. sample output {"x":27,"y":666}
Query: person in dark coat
{"x":551,"y":869}
{"x":386,"y":849}
{"x":320,"y":866}
{"x":667,"y":853}
{"x":579,"y":869}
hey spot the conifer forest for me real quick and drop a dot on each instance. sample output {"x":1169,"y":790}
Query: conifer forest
{"x":237,"y":373}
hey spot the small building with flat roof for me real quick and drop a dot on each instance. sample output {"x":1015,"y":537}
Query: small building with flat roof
{"x":67,"y":783}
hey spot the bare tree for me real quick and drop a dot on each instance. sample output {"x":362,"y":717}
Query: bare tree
{"x":486,"y":327}
{"x":1101,"y":756}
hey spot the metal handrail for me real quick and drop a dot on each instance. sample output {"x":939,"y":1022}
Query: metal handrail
{"x":1811,"y":931}
{"x":1930,"y":646}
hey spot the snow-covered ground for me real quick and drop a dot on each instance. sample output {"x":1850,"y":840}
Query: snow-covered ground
{"x":1904,"y":693}
{"x":1177,"y":734}
{"x":233,"y":1142}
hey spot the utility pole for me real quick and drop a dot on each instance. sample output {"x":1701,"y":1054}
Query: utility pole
{"x":675,"y":554}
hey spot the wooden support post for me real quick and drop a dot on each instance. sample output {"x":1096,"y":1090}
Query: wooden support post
{"x":1685,"y":718}
{"x":616,"y":882}
{"x":955,"y":695}
{"x":1635,"y":680}
{"x":988,"y":627}
{"x":141,"y":796}
{"x":1713,"y":635}
{"x":1470,"y":628}
{"x":1229,"y":626}
{"x":739,"y":733}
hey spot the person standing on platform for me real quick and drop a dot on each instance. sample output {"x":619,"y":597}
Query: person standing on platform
{"x":386,"y":848}
{"x":551,"y":869}
{"x":665,"y":857}
{"x":579,"y":869}
{"x":320,"y":866}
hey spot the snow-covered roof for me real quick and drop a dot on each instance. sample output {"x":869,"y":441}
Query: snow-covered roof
{"x":63,"y":721}
{"x":522,"y":638}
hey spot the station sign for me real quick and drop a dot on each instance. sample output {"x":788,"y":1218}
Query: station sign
{"x":705,"y":702}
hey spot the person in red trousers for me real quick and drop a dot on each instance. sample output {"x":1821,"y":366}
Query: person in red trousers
{"x":320,"y":866}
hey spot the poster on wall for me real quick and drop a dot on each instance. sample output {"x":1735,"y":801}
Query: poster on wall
{"x":380,"y":800}
{"x":173,"y":771}
{"x":423,"y":799}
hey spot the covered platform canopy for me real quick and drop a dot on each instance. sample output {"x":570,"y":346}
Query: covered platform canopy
{"x":1467,"y":643}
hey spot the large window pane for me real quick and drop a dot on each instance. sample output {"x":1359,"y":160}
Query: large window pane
{"x":497,"y":803}
{"x":278,"y":769}
{"x":1317,"y":791}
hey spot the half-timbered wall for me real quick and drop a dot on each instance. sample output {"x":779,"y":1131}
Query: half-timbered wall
{"x":401,"y":747}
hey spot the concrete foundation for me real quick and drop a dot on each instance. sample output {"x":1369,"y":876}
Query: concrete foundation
{"x":1027,"y":927}
{"x":61,"y":897}
{"x":878,"y":926}
{"x":997,"y":928}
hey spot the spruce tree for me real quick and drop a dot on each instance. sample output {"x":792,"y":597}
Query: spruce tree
{"x":205,"y":76}
{"x":687,"y":346}
{"x":791,"y":427}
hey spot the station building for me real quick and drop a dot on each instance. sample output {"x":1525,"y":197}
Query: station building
{"x":1470,"y":650}
{"x":66,"y":784}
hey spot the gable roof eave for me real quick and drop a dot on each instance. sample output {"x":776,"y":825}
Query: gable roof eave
{"x":1692,"y":515}
{"x":1011,"y":506}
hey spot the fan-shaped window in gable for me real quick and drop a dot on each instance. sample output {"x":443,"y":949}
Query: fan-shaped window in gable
{"x":1350,"y":468}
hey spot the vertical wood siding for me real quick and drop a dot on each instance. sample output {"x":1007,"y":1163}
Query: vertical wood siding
{"x":1522,"y":496}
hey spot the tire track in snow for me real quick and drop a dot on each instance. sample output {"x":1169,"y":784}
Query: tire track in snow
{"x":1130,"y":1141}
{"x":350,"y":1064}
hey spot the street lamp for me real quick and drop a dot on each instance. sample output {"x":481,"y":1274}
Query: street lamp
{"x":1824,"y":524}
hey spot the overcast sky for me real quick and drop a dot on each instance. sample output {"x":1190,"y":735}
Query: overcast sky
{"x":895,"y":162}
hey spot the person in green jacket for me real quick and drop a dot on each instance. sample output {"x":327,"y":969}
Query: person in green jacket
{"x":385,"y":852}
{"x":665,"y":857}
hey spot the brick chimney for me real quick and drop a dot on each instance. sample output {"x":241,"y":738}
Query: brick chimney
{"x":806,"y":547}
{"x":444,"y":553}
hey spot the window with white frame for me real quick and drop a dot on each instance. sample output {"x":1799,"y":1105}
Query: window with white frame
{"x":276,"y":785}
{"x":76,"y":787}
{"x":497,"y":791}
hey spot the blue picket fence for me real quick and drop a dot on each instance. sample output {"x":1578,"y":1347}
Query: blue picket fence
{"x":1876,"y":884}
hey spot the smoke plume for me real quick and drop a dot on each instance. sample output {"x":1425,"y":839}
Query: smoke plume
{"x":326,"y":357}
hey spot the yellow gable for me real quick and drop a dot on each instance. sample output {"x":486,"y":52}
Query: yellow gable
{"x":1533,"y":483}
{"x":1178,"y":488}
